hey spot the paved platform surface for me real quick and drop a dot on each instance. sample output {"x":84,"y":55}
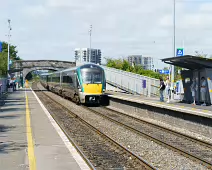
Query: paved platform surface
{"x":29,"y":139}
{"x":205,"y":111}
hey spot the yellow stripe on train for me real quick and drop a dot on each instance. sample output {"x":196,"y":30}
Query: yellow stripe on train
{"x":92,"y":88}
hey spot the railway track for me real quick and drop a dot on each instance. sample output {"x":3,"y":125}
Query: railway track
{"x":193,"y":148}
{"x":97,"y":149}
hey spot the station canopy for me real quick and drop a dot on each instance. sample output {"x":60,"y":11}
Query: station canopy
{"x":190,"y":62}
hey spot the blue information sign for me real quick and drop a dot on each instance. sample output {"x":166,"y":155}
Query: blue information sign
{"x":164,"y":71}
{"x":0,"y":47}
{"x":180,"y":52}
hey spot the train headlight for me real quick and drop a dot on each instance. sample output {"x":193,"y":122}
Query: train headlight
{"x":79,"y":88}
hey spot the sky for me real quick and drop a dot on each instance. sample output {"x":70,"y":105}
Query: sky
{"x":52,"y":29}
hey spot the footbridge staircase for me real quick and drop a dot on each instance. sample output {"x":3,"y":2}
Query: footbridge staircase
{"x":130,"y":82}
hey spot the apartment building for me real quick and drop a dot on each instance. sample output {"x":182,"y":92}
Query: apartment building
{"x":146,"y":62}
{"x":87,"y":55}
{"x":135,"y":59}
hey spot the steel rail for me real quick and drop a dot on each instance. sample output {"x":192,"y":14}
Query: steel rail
{"x":191,"y":156}
{"x":64,"y":131}
{"x":207,"y":144}
{"x":145,"y":163}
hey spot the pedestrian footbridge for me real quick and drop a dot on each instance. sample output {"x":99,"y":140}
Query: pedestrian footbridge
{"x":130,"y":82}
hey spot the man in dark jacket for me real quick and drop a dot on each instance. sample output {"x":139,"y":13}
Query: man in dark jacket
{"x":161,"y":89}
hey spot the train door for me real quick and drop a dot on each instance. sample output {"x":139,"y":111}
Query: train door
{"x":50,"y":81}
{"x":72,"y":83}
{"x":67,"y":84}
{"x":75,"y":80}
{"x":47,"y":82}
{"x":61,"y":80}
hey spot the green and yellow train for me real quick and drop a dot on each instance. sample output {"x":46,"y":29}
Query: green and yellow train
{"x":84,"y":84}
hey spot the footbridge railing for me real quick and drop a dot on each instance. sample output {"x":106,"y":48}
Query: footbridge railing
{"x":131,"y":82}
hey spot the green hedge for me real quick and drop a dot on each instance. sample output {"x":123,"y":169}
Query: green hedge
{"x":125,"y":66}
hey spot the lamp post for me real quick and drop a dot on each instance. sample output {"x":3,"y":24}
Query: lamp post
{"x":90,"y":31}
{"x":9,"y":35}
{"x":21,"y":79}
{"x":174,"y":51}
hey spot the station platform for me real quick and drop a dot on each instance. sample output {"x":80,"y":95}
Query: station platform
{"x":197,"y":110}
{"x":31,"y":139}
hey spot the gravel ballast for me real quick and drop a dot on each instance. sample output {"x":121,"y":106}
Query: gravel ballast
{"x":158,"y":156}
{"x":193,"y":129}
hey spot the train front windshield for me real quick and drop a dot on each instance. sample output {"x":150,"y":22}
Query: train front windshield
{"x":92,"y":76}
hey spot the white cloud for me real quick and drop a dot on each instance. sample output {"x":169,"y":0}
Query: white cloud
{"x":197,"y":21}
{"x":206,"y":7}
{"x":166,"y":21}
{"x":36,"y":11}
{"x":53,"y":28}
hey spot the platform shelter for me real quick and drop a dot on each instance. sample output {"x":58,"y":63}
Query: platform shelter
{"x":195,"y":67}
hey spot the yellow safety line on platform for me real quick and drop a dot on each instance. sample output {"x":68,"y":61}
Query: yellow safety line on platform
{"x":31,"y":153}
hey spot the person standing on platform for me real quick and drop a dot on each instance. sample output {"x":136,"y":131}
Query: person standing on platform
{"x":15,"y":84}
{"x":193,"y":90}
{"x":203,"y":90}
{"x":168,"y":86}
{"x":11,"y":83}
{"x":161,"y":89}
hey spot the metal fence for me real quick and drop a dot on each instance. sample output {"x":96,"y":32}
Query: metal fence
{"x":133,"y":83}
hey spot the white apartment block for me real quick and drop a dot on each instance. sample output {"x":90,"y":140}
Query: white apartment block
{"x":135,"y":59}
{"x":146,"y":62}
{"x":83,"y":55}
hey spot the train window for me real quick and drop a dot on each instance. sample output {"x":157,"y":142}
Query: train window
{"x":97,"y":77}
{"x":70,"y":79}
{"x":90,"y":77}
{"x":56,"y":79}
{"x":87,"y":77}
{"x":67,"y":79}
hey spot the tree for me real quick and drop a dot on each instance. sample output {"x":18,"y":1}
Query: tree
{"x":125,"y":65}
{"x":110,"y":62}
{"x":202,"y":55}
{"x":13,"y":51}
{"x":3,"y":64}
{"x":3,"y":57}
{"x":119,"y":64}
